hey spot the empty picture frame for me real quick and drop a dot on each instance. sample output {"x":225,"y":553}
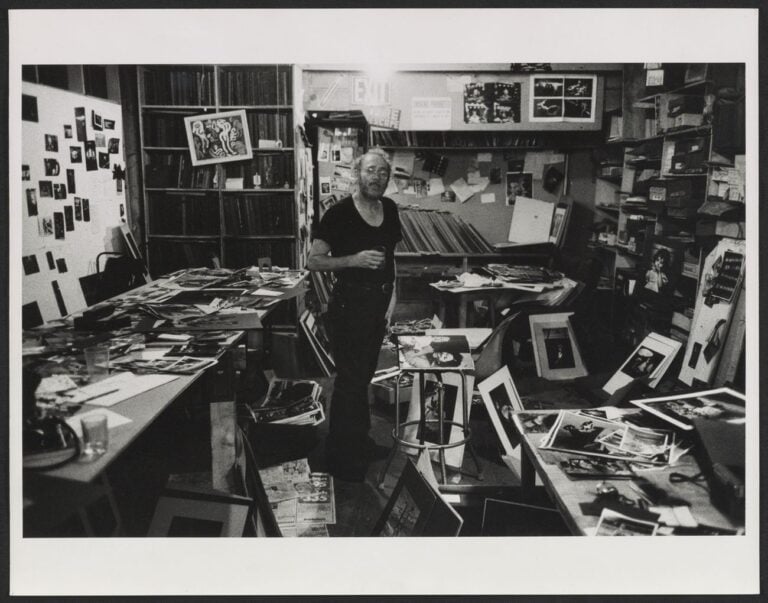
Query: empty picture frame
{"x":262,"y":522}
{"x":501,"y":399}
{"x":198,"y":514}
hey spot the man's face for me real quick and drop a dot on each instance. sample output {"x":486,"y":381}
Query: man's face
{"x":374,"y":175}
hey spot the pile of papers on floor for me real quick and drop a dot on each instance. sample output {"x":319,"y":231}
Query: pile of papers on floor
{"x":303,"y":502}
{"x":290,"y":402}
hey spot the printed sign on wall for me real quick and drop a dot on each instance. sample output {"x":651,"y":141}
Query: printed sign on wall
{"x":370,"y":91}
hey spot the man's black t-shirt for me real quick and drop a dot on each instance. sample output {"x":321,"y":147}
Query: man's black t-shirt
{"x":345,"y":231}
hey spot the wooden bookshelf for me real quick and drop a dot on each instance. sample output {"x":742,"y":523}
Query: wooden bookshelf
{"x":182,"y":193}
{"x":188,"y":210}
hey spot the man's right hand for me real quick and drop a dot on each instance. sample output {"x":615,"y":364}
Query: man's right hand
{"x":368,"y":259}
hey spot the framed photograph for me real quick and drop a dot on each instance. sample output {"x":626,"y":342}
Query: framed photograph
{"x":197,"y":514}
{"x":218,"y":137}
{"x":318,"y":341}
{"x":555,"y":349}
{"x":559,"y":223}
{"x":613,"y":523}
{"x":501,"y":399}
{"x":721,"y":404}
{"x":661,"y":269}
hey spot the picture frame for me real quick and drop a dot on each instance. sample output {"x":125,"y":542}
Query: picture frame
{"x":661,"y":269}
{"x":500,"y":394}
{"x":416,"y":508}
{"x":555,"y":349}
{"x":199,"y":514}
{"x":318,"y":342}
{"x":559,"y":223}
{"x":218,"y":137}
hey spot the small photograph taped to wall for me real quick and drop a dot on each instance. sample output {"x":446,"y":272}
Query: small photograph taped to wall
{"x":109,"y":124}
{"x":104,"y":161}
{"x":45,"y":226}
{"x":581,"y":108}
{"x":59,"y":191}
{"x":548,"y":86}
{"x":67,"y":131}
{"x":75,"y":155}
{"x":52,"y":167}
{"x":578,"y":87}
{"x":46,"y":188}
{"x":519,"y":184}
{"x":548,"y":107}
{"x":31,"y":202}
{"x":51,"y":143}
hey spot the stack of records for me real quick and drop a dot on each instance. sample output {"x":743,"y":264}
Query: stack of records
{"x":429,"y":231}
{"x":290,"y":402}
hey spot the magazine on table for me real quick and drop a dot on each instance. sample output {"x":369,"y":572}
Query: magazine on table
{"x":721,"y":404}
{"x":650,"y":360}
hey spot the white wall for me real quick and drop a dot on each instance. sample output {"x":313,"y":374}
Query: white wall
{"x":55,"y":109}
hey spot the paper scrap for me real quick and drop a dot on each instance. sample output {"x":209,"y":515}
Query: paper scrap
{"x":267,"y":292}
{"x":473,"y":177}
{"x":462,"y":189}
{"x":536,"y":160}
{"x":129,"y":385}
{"x":113,"y":420}
{"x":480,"y":185}
{"x":488,"y":198}
{"x":483,"y":157}
{"x":436,"y":186}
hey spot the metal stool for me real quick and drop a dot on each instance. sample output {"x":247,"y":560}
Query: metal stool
{"x":398,"y":432}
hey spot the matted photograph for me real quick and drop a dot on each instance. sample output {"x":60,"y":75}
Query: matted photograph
{"x":643,"y":363}
{"x":200,"y":515}
{"x":218,"y":137}
{"x":555,"y":349}
{"x":596,"y":468}
{"x":563,"y":98}
{"x":75,"y":154}
{"x":721,"y":404}
{"x":577,"y":433}
{"x":613,"y":523}
{"x":649,"y":360}
{"x":501,"y":400}
{"x":663,"y":265}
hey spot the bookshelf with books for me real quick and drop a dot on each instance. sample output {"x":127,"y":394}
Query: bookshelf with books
{"x":198,"y":206}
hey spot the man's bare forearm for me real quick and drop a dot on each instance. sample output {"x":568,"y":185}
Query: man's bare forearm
{"x":327,"y":263}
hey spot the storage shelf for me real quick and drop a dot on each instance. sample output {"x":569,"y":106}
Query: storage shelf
{"x":280,"y":150}
{"x":678,"y":90}
{"x":258,"y":237}
{"x":166,"y":148}
{"x":256,"y":107}
{"x":183,"y":236}
{"x":182,"y":190}
{"x":177,"y":108}
{"x":257,"y":190}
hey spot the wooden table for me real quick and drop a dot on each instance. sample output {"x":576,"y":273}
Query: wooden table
{"x":568,"y":494}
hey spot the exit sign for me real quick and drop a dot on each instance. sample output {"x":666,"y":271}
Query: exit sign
{"x":369,"y":91}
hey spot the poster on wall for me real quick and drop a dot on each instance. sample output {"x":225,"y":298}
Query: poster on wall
{"x":218,"y":137}
{"x":562,"y":98}
{"x":431,"y":113}
{"x":492,"y":102}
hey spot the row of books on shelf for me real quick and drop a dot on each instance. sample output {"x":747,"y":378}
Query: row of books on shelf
{"x":258,"y":214}
{"x":266,"y":85}
{"x":398,"y":138}
{"x":174,"y":170}
{"x":240,"y":253}
{"x":270,"y":126}
{"x":268,"y":170}
{"x":173,"y":214}
{"x":178,"y":87}
{"x":433,"y":231}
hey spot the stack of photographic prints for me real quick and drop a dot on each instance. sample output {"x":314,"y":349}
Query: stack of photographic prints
{"x":562,"y":99}
{"x":303,"y":502}
{"x":555,"y":349}
{"x":290,"y":402}
{"x":433,"y":232}
{"x":721,"y":404}
{"x":613,"y":523}
{"x":650,"y":360}
{"x":492,"y":102}
{"x":184,"y":365}
{"x":586,"y":434}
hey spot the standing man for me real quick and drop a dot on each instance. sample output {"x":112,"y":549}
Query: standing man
{"x":356,"y":239}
